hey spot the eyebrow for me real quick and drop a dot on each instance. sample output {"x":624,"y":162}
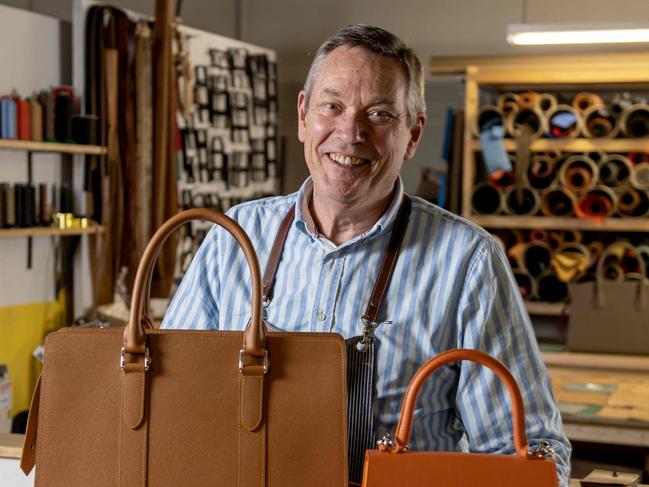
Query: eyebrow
{"x":378,"y":101}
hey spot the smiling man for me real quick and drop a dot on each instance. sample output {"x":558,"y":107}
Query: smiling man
{"x":401,"y":279}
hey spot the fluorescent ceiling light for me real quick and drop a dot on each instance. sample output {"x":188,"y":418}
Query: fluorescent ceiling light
{"x":531,"y":34}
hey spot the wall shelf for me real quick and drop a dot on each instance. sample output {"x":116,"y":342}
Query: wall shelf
{"x":28,"y":145}
{"x":562,"y":223}
{"x":49,"y":231}
{"x":577,"y":145}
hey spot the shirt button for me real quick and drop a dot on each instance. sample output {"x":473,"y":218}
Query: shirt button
{"x":321,"y":316}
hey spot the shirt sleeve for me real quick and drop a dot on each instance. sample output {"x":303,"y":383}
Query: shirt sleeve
{"x":195,"y":303}
{"x":493,"y":319}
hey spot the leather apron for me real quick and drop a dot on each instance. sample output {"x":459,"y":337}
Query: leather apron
{"x":361,"y":351}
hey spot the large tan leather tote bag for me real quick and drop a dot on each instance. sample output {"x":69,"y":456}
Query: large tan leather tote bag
{"x":393,"y":464}
{"x":147,"y":407}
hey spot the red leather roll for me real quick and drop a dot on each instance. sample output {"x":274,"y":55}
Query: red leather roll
{"x":23,"y":123}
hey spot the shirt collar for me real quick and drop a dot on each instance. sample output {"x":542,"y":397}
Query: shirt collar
{"x":304,"y":220}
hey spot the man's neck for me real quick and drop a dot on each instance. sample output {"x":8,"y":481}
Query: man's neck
{"x":340,"y":223}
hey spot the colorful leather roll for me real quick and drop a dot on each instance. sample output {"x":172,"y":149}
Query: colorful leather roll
{"x":529,"y":99}
{"x":633,"y":203}
{"x":508,"y":103}
{"x":488,"y":115}
{"x":599,"y":122}
{"x":526,"y":284}
{"x":541,"y":172}
{"x":640,"y":176}
{"x":571,"y":261}
{"x":563,"y":122}
{"x":547,"y":102}
{"x":501,"y":179}
{"x":578,"y":173}
{"x":596,"y":249}
{"x":539,"y":235}
{"x":599,"y":202}
{"x":532,"y":117}
{"x":24,"y":120}
{"x":635,"y":121}
{"x":615,"y":172}
{"x":550,"y":288}
{"x":528,"y":203}
{"x":638,"y":157}
{"x":586,"y":100}
{"x":486,"y":199}
{"x":557,"y":201}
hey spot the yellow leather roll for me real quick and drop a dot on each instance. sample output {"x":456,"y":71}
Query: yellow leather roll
{"x":547,"y":102}
{"x":557,"y":201}
{"x":586,"y":100}
{"x":578,"y":180}
{"x":633,"y":203}
{"x":570,"y":261}
{"x":529,"y":99}
{"x":598,"y":122}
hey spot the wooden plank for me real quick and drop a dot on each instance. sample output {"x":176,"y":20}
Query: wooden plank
{"x":586,"y":61}
{"x":11,"y":445}
{"x":541,"y":308}
{"x":561,"y":223}
{"x":538,"y":76}
{"x":49,"y":231}
{"x":597,"y":361}
{"x":27,"y":145}
{"x":576,"y":145}
{"x":471,"y":102}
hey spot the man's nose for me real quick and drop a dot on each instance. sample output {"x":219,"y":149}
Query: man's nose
{"x":351,"y":128}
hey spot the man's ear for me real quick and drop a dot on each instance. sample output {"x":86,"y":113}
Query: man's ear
{"x":415,"y":136}
{"x":301,"y":115}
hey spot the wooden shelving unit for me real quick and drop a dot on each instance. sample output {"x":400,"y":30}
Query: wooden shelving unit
{"x":30,"y":146}
{"x":49,"y":231}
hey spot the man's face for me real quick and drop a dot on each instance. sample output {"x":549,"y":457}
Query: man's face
{"x":355,"y":130}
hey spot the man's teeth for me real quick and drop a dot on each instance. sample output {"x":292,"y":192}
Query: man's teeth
{"x":346,"y":160}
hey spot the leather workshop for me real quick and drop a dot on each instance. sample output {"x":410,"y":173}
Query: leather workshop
{"x":331,"y":243}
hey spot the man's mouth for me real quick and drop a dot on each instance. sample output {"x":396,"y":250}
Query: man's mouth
{"x":347,"y":161}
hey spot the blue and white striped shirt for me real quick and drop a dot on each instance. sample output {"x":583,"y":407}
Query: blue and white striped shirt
{"x":451,"y":288}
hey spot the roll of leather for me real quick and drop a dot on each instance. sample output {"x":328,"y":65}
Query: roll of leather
{"x":615,"y":172}
{"x":488,"y":115}
{"x":529,"y":99}
{"x":633,"y":203}
{"x":24,"y":120}
{"x":643,"y":252}
{"x":572,"y":236}
{"x":539,"y":235}
{"x":63,"y":117}
{"x":29,"y":206}
{"x":529,"y":204}
{"x":547,"y":102}
{"x":8,"y":129}
{"x":486,"y":199}
{"x":585,"y":101}
{"x":36,"y":110}
{"x":19,"y":204}
{"x":578,"y":173}
{"x":620,"y":103}
{"x":635,"y":121}
{"x":550,"y":288}
{"x":536,"y":257}
{"x":46,"y":98}
{"x":598,"y":122}
{"x":508,"y":103}
{"x":10,"y":206}
{"x":532,"y":117}
{"x":564,"y":122}
{"x":44,"y":217}
{"x":541,"y":172}
{"x":526,"y":284}
{"x":640,"y":176}
{"x":597,"y":203}
{"x":570,"y":261}
{"x":596,"y":248}
{"x":557,"y":201}
{"x":638,"y":157}
{"x":3,"y":205}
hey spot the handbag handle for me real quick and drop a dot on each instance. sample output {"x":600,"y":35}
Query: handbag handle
{"x":254,"y":338}
{"x":402,"y":434}
{"x":599,"y":273}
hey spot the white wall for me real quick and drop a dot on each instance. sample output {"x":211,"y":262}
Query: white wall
{"x":33,"y":33}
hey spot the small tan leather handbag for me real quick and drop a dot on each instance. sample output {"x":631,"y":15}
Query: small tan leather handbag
{"x":153,"y":407}
{"x":393,"y":464}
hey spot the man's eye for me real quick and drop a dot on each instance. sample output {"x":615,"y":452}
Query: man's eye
{"x":380,"y":115}
{"x":331,"y":106}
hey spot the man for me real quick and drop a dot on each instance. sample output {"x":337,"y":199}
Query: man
{"x":361,"y":115}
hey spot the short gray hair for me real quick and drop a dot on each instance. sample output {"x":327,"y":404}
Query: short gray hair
{"x":383,"y":43}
